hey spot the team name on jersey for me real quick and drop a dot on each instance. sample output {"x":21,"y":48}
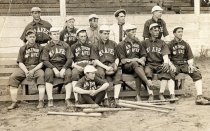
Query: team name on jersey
{"x":178,"y":49}
{"x":32,"y":52}
{"x":68,"y":37}
{"x":83,"y":51}
{"x":57,"y":51}
{"x":132,"y":49}
{"x":154,"y":49}
{"x":90,"y":85}
{"x":42,"y":29}
{"x":106,"y":51}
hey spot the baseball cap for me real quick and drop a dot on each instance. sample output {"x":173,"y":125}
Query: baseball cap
{"x":156,"y":8}
{"x":116,"y":13}
{"x":55,"y":29}
{"x":89,"y":68}
{"x":104,"y":27}
{"x":177,"y":27}
{"x":93,"y":16}
{"x":129,"y":27}
{"x":69,"y":18}
{"x":35,"y":9}
{"x":153,"y":25}
{"x":28,"y":32}
{"x":79,"y":30}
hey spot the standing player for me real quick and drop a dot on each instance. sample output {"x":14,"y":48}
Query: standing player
{"x":132,"y":56}
{"x":92,"y":31}
{"x":68,"y":34}
{"x":105,"y":57}
{"x":41,"y":27}
{"x":57,"y":58}
{"x":116,"y":30}
{"x":81,"y":57}
{"x":156,"y":18}
{"x":182,"y":62}
{"x":157,"y":61}
{"x":29,"y":67}
{"x":91,"y":89}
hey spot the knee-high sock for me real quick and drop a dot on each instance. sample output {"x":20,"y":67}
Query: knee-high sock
{"x":163,"y":84}
{"x":49,"y":89}
{"x":171,"y":86}
{"x":117,"y":89}
{"x":198,"y":86}
{"x":41,"y":89}
{"x":75,"y":94}
{"x":68,"y":88}
{"x":150,"y":92}
{"x":13,"y":93}
{"x":106,"y":96}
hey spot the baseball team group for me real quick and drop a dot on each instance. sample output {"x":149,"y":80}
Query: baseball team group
{"x":90,"y":61}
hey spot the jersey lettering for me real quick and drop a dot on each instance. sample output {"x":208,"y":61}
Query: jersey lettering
{"x":106,"y":51}
{"x":57,"y":51}
{"x":32,"y":52}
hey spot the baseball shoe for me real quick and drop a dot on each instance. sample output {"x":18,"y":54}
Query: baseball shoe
{"x":41,"y":104}
{"x":151,"y":97}
{"x":172,"y":98}
{"x":138,"y":98}
{"x":161,"y":97}
{"x":201,"y":101}
{"x":13,"y":106}
{"x":106,"y":102}
{"x":68,"y":103}
{"x":116,"y":101}
{"x":50,"y":103}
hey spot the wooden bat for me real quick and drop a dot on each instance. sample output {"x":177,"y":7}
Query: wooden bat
{"x":75,"y":114}
{"x":146,"y":104}
{"x":86,"y":106}
{"x":105,"y":110}
{"x":156,"y":101}
{"x":140,"y":107}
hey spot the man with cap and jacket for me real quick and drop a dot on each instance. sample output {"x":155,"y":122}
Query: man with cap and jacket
{"x":132,"y":55}
{"x":41,"y":27}
{"x":105,"y":58}
{"x":181,"y":58}
{"x":68,"y":34}
{"x":57,"y":57}
{"x":156,"y":18}
{"x":116,"y":30}
{"x":91,"y":89}
{"x":92,"y":30}
{"x":81,"y":51}
{"x":157,"y":61}
{"x":29,"y":62}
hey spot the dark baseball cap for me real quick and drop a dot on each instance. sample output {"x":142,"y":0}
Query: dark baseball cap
{"x":176,"y":28}
{"x":116,"y":13}
{"x":28,"y":32}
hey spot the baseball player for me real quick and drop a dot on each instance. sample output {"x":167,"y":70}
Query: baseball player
{"x":157,"y":61}
{"x":92,"y":31}
{"x":105,"y":57}
{"x":182,"y":62}
{"x":116,"y":30}
{"x":81,"y":57}
{"x":68,"y":34}
{"x":41,"y":27}
{"x":91,"y":89}
{"x":29,"y":67}
{"x":132,"y":55}
{"x":57,"y":57}
{"x":156,"y":18}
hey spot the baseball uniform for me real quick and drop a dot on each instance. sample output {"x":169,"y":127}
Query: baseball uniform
{"x":69,"y":36}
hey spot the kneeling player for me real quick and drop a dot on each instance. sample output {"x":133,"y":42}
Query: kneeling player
{"x":105,"y":57}
{"x":182,"y":62}
{"x":57,"y":57}
{"x":29,"y":67}
{"x":91,"y":89}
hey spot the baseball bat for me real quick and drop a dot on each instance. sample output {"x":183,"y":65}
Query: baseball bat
{"x":75,"y":114}
{"x":105,"y":110}
{"x":86,"y":106}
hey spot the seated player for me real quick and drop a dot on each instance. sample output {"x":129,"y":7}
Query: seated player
{"x":91,"y":89}
{"x":182,"y":62}
{"x":105,"y":57}
{"x":81,"y":57}
{"x":57,"y":58}
{"x":132,"y":55}
{"x":29,"y":67}
{"x":157,"y":61}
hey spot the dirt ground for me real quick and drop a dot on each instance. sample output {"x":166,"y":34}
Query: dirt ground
{"x":187,"y":115}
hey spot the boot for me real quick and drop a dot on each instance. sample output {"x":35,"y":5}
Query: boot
{"x":201,"y":101}
{"x":172,"y":98}
{"x":50,"y":103}
{"x":151,"y":97}
{"x":161,"y":97}
{"x":41,"y":104}
{"x":13,"y":106}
